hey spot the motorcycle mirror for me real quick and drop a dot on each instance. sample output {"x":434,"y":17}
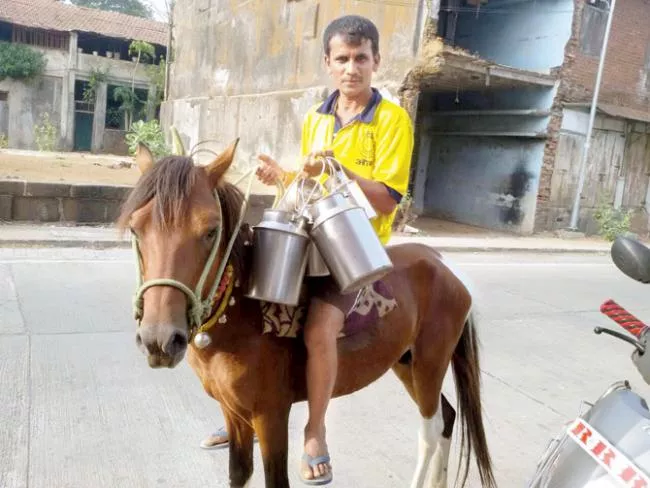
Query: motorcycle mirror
{"x":632,"y":258}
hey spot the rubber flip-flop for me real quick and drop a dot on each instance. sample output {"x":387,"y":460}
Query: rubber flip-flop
{"x":312,"y":462}
{"x":221,"y":445}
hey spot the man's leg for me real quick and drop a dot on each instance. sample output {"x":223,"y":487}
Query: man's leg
{"x":324,"y":322}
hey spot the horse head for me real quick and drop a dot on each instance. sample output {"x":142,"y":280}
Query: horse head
{"x":181,"y":217}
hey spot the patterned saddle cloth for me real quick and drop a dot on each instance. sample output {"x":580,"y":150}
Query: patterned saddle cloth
{"x":372,"y":303}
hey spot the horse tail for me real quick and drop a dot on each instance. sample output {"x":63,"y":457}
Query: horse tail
{"x":467,"y":376}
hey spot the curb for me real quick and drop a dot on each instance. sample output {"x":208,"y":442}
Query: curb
{"x":536,"y":250}
{"x":112,"y":244}
{"x":63,"y":243}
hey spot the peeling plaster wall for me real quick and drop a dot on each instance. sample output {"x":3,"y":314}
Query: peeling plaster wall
{"x":489,"y":181}
{"x":251,"y":69}
{"x":29,"y":100}
{"x":26,"y":103}
{"x":478,"y":179}
{"x":525,"y":34}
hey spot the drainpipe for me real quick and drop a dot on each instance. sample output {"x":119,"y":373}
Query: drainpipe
{"x":592,"y":116}
{"x":620,"y":179}
{"x":170,"y":26}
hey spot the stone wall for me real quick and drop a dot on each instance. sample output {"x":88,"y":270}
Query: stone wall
{"x":40,"y":202}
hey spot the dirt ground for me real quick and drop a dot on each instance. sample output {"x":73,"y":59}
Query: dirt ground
{"x":67,"y":167}
{"x":81,"y":168}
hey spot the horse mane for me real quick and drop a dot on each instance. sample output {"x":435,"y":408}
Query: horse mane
{"x":171,"y":180}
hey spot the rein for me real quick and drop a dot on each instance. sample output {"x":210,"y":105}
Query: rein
{"x":198,"y":310}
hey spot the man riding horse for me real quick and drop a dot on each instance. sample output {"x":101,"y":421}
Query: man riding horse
{"x":372,"y":138}
{"x":192,"y":253}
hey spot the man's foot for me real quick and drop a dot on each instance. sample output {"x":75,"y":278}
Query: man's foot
{"x":315,"y":468}
{"x":216,"y":440}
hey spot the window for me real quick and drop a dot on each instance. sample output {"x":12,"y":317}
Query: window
{"x":41,"y":38}
{"x":592,"y":29}
{"x":5,"y":32}
{"x":4,"y":96}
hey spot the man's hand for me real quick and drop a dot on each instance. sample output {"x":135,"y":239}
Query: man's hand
{"x":314,"y":162}
{"x":269,"y":171}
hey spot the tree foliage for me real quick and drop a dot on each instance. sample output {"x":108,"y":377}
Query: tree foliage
{"x":129,"y":7}
{"x":20,"y":62}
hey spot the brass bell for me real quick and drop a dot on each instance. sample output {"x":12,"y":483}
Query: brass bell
{"x":202,"y":340}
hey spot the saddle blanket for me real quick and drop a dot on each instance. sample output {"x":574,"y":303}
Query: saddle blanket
{"x":372,"y":303}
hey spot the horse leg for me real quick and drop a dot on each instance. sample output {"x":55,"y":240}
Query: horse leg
{"x":441,"y":456}
{"x":431,"y":429}
{"x":429,"y":365}
{"x":272,"y":428}
{"x":240,"y":437}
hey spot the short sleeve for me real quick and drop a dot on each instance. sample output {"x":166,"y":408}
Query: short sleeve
{"x":305,"y":142}
{"x":393,"y":153}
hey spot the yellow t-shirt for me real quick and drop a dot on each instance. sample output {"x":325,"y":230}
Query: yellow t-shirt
{"x":376,"y":145}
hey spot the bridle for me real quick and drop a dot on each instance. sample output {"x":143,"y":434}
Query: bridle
{"x":199,"y":309}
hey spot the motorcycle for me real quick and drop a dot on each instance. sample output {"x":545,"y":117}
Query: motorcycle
{"x":608,"y":445}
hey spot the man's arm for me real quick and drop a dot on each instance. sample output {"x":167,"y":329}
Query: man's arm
{"x":376,"y":192}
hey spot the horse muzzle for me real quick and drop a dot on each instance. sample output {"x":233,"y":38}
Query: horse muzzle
{"x":163,"y":345}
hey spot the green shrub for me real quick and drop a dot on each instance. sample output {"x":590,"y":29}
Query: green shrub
{"x":149,"y":133}
{"x":45,"y":134}
{"x":20,"y":62}
{"x":612,"y":222}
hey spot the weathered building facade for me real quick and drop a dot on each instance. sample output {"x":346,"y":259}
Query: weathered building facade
{"x":79,"y":45}
{"x":486,"y":82}
{"x":618,"y":166}
{"x":251,"y":69}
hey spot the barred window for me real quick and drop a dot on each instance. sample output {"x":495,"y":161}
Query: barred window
{"x":41,"y":38}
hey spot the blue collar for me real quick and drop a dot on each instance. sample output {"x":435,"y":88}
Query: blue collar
{"x":328,"y":107}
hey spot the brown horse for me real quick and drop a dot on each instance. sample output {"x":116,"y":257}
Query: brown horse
{"x":175,"y":212}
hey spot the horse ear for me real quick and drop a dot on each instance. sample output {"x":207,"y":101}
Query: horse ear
{"x":217,"y":168}
{"x":178,"y":148}
{"x":143,"y":158}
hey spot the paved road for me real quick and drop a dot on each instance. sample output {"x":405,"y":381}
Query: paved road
{"x":79,"y":408}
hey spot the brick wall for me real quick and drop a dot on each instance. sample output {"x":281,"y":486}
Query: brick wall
{"x":626,"y":80}
{"x":548,"y":164}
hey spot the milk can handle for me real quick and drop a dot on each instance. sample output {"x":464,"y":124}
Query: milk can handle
{"x":279,"y":194}
{"x":286,"y":192}
{"x":305,"y":202}
{"x":344,"y":176}
{"x":340,"y":166}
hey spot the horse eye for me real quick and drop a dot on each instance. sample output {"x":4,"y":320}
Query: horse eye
{"x":212,"y":233}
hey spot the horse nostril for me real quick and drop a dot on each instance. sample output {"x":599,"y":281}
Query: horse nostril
{"x":138,"y":339}
{"x":177,"y":343}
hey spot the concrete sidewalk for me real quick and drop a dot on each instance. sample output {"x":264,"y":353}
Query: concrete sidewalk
{"x":46,"y":235}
